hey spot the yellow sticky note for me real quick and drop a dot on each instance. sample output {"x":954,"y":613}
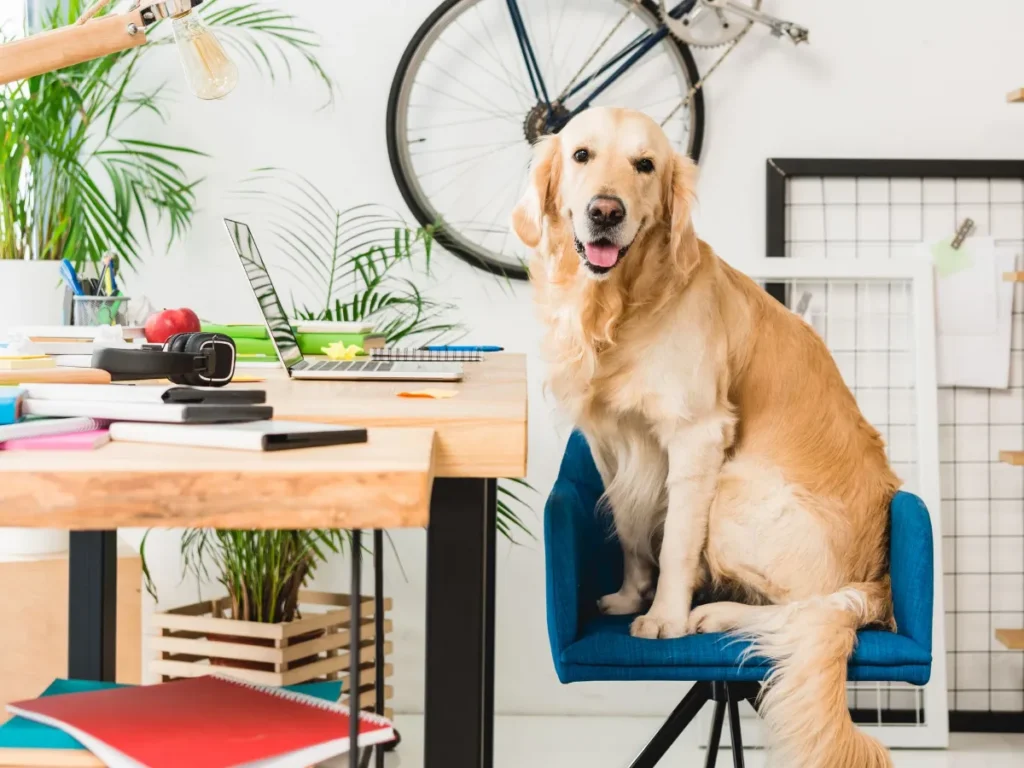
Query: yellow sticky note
{"x":338,"y":351}
{"x":435,"y":394}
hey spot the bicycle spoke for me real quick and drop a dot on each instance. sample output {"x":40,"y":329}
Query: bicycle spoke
{"x":451,"y":124}
{"x":518,"y":89}
{"x":467,"y":146}
{"x":503,"y":115}
{"x":465,"y":160}
{"x":493,"y":52}
{"x":476,"y":93}
{"x":554,"y":41}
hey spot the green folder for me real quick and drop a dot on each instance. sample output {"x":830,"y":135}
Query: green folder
{"x":314,"y":343}
{"x":237,"y":330}
{"x":22,"y":733}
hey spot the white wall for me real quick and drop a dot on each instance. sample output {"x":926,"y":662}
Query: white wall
{"x":915,"y":78}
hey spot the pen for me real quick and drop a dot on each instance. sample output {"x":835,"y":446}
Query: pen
{"x":447,"y":348}
{"x":70,"y":277}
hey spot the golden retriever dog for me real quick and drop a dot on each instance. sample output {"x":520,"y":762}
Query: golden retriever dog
{"x":733,"y":454}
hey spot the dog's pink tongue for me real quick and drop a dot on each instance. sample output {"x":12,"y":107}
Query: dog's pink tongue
{"x":601,"y":255}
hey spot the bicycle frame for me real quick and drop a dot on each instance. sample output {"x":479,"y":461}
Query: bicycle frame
{"x":632,"y":53}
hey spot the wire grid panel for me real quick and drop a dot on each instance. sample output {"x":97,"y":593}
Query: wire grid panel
{"x":982,"y":499}
{"x":876,"y":320}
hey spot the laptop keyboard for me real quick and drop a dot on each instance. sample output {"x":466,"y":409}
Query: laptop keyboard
{"x":345,"y":366}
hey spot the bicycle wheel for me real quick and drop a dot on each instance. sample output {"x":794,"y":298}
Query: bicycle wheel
{"x":481,"y":80}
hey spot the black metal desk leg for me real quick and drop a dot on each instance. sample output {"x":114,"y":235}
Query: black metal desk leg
{"x":378,"y":634}
{"x":92,"y":605}
{"x":461,"y":544}
{"x":354,"y":638}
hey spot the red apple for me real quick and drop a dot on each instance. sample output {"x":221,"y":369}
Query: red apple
{"x":162,"y":325}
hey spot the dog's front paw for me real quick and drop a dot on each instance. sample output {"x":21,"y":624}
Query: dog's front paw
{"x":653,"y":626}
{"x":619,"y":604}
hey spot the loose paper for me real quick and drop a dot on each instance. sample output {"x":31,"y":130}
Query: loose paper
{"x":974,"y":308}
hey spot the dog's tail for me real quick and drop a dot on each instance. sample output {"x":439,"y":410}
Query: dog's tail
{"x":804,"y":700}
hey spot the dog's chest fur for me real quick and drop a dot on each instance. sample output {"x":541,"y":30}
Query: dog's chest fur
{"x":649,"y":374}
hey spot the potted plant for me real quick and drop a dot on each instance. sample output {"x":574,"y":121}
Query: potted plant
{"x":268,"y":628}
{"x":77,"y":181}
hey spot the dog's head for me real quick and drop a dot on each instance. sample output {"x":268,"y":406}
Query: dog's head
{"x":608,"y":181}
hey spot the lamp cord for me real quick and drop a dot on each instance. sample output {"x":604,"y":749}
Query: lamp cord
{"x":92,"y":10}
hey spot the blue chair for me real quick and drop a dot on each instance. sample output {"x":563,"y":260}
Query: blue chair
{"x":584,"y":562}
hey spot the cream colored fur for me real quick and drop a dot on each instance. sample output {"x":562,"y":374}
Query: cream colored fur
{"x":733,"y":454}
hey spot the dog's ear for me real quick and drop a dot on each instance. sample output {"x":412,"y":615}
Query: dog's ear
{"x":541,"y":192}
{"x":681,"y":195}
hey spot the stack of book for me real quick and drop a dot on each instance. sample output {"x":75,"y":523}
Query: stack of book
{"x":87,"y":416}
{"x":254,"y":345}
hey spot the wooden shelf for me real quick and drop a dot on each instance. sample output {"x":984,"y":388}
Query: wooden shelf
{"x":1011,"y":638}
{"x":1016,"y":458}
{"x":1013,"y":277}
{"x":1015,"y":96}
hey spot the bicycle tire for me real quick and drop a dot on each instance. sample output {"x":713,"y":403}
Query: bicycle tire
{"x":399,"y":171}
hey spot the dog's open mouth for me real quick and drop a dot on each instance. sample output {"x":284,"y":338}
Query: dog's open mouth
{"x":601,"y":255}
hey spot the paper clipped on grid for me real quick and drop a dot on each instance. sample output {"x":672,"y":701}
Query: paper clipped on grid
{"x":974,"y":318}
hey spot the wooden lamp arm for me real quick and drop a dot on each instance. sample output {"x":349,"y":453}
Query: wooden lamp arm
{"x":70,"y":45}
{"x":88,"y":38}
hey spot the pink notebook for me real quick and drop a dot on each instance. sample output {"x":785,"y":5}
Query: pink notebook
{"x":73,"y":441}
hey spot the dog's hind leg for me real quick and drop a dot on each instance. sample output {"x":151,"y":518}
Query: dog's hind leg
{"x":727,"y":617}
{"x":636,"y":584}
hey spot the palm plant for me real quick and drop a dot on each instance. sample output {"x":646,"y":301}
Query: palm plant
{"x":348,"y":261}
{"x":74,"y":176}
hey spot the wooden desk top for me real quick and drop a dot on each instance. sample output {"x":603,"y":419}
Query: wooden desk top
{"x":384,"y":483}
{"x":481,"y":432}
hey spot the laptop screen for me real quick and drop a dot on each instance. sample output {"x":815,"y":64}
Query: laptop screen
{"x":270,"y":304}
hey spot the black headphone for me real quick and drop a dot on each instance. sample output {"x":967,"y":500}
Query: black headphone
{"x":190,"y":359}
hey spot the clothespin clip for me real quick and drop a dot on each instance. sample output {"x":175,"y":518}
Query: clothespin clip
{"x":803,"y":306}
{"x":962,"y":234}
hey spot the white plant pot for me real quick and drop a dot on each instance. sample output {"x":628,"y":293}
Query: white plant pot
{"x":32,"y":542}
{"x":31,"y":293}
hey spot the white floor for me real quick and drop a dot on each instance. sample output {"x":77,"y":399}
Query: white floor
{"x":590,"y":742}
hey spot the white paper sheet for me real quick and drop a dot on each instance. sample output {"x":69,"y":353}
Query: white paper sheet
{"x":965,"y":301}
{"x":974,"y":310}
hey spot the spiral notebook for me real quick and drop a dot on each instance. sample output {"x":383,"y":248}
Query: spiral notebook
{"x":204,"y":722}
{"x":426,"y":355}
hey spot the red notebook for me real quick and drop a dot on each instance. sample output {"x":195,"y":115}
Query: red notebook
{"x":205,"y":722}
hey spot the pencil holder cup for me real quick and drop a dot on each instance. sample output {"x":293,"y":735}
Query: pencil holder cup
{"x":99,"y":310}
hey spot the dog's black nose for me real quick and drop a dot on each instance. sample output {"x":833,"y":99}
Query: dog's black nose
{"x":606,"y":211}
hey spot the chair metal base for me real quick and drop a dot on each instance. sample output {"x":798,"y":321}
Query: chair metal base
{"x":725,"y":695}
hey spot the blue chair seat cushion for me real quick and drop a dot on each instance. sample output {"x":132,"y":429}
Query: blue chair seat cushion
{"x":605,"y":642}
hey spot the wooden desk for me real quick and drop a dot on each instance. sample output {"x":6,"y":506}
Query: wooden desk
{"x":480,"y":435}
{"x":383,"y":483}
{"x":481,"y":432}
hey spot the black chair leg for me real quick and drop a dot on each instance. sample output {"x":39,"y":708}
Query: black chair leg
{"x":734,"y":732}
{"x":716,"y":735}
{"x":681,"y":717}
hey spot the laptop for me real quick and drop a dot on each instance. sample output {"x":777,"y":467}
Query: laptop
{"x":287,"y":345}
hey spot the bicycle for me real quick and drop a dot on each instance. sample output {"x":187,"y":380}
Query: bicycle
{"x":482,"y":80}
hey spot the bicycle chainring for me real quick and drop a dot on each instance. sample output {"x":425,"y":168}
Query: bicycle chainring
{"x":705,"y":26}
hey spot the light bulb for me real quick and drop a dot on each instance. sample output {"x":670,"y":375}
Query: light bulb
{"x":209,"y":71}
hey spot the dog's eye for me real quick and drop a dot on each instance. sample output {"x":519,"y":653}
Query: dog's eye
{"x":644,"y":165}
{"x":581,"y":155}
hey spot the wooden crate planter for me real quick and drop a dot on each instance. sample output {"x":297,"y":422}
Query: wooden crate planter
{"x":194,"y":638}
